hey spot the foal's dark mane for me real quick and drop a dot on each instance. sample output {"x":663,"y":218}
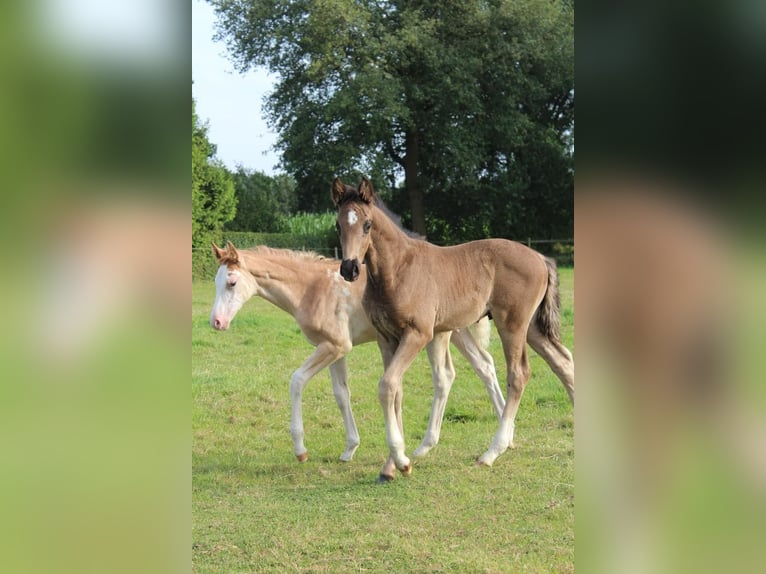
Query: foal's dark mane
{"x":353,"y":195}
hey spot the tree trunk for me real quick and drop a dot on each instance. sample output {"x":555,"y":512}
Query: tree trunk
{"x":412,"y":182}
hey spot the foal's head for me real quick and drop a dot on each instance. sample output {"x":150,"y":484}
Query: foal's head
{"x":354,"y":223}
{"x":233,"y":286}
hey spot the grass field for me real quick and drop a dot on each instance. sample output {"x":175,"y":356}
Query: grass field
{"x":256,"y":509}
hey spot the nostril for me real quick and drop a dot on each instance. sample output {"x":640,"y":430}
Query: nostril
{"x":217,"y":323}
{"x":349,"y":269}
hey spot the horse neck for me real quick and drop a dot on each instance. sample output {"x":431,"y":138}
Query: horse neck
{"x":279,"y":282}
{"x":388,"y":245}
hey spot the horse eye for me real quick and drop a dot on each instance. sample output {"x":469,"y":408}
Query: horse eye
{"x":367,"y":225}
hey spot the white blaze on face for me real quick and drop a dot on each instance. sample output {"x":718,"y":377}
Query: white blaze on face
{"x":228,"y":299}
{"x":352,"y":217}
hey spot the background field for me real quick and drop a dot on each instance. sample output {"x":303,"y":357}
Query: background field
{"x":256,"y":509}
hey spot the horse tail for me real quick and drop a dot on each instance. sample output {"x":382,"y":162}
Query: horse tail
{"x":548,"y":314}
{"x":480,"y":331}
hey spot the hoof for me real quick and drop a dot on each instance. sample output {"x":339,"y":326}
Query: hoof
{"x":481,"y":463}
{"x":407,"y":470}
{"x":384,"y":478}
{"x":303,"y":457}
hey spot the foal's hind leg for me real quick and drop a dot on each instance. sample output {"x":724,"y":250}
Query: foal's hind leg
{"x":483,"y":365}
{"x":339,"y":376}
{"x":557,"y":356}
{"x":514,"y":346}
{"x":443,"y":375}
{"x":325,"y":354}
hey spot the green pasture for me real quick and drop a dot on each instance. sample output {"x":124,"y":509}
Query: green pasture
{"x":256,"y":509}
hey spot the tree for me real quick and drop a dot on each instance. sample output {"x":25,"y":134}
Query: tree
{"x":262,"y":201}
{"x":470,"y":101}
{"x":213,"y":200}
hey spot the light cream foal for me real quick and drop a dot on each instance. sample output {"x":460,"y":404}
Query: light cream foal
{"x":330,"y":314}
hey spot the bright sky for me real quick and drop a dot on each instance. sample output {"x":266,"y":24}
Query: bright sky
{"x":228,"y":101}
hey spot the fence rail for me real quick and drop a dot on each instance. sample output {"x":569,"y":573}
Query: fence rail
{"x":562,"y":250}
{"x":529,"y":242}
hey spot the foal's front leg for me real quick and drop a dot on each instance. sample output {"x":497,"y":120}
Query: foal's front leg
{"x":390,"y":395}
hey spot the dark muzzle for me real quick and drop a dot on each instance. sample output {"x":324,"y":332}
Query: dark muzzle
{"x":349,"y":269}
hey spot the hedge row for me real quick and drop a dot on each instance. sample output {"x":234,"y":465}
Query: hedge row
{"x":245,"y":239}
{"x":205,"y":267}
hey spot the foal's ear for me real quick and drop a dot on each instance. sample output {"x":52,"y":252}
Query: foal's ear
{"x":218,"y":252}
{"x":232,"y":255}
{"x":338,"y":189}
{"x":366,"y":193}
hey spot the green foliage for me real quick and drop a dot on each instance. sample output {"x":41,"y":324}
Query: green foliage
{"x":473,"y":102}
{"x":255,"y":509}
{"x":204,"y":265}
{"x":563,"y":253}
{"x":311,"y":223}
{"x":302,"y":231}
{"x":213,"y":199}
{"x":314,"y":231}
{"x":263,"y":202}
{"x":320,"y":242}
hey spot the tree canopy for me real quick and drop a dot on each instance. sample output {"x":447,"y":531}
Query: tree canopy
{"x":263,"y":202}
{"x":213,"y":200}
{"x":471,"y":102}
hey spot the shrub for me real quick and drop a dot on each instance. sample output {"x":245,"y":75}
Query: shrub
{"x":314,"y":242}
{"x":563,"y":254}
{"x":310,"y":223}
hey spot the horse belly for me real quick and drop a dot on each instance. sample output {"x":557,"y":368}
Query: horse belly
{"x":362,"y":330}
{"x":449,"y":319}
{"x":462,"y":303}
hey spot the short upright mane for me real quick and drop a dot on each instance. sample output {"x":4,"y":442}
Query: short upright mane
{"x":353,"y":195}
{"x":307,"y":256}
{"x":232,"y":257}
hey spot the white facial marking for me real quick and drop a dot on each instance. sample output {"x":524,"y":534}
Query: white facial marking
{"x":352,"y":218}
{"x":230,"y":295}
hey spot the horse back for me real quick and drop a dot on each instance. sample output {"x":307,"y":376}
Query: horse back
{"x":499,"y":276}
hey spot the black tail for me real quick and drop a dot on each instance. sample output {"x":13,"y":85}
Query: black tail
{"x":548,"y":320}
